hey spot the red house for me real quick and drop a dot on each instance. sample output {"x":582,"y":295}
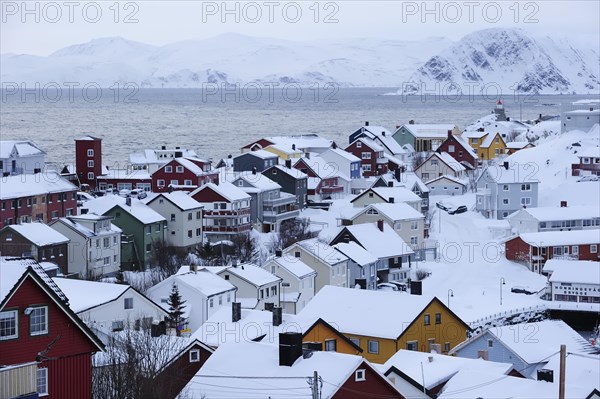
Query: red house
{"x":460,"y":150}
{"x":88,"y":160}
{"x":534,"y":249}
{"x":373,"y":161}
{"x":37,"y":325}
{"x":184,"y":174}
{"x":324,"y":181}
{"x":38,"y":197}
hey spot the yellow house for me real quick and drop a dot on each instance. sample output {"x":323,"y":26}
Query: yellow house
{"x":487,"y":145}
{"x":284,"y":152}
{"x":381,"y":323}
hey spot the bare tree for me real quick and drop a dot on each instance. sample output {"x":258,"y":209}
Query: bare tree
{"x":290,"y":232}
{"x":245,"y":248}
{"x":167,"y":258}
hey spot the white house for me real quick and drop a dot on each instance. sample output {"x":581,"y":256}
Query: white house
{"x":388,"y":195}
{"x":440,"y":164}
{"x":554,"y":218}
{"x":447,"y":185}
{"x":203,"y":291}
{"x":298,"y":285}
{"x":255,"y":286}
{"x":20,"y":157}
{"x":94,"y":246}
{"x":184,"y":218}
{"x":108,"y":306}
{"x":573,"y":280}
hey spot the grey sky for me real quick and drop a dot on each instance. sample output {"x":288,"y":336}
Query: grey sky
{"x":47,"y":26}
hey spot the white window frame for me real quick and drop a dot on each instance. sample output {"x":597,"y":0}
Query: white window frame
{"x":44,"y":330}
{"x":329,"y":342}
{"x":179,"y":169}
{"x":42,"y":374}
{"x":90,"y":163}
{"x":90,"y":175}
{"x":505,"y":201}
{"x":360,"y":375}
{"x":366,"y":155}
{"x":90,"y":152}
{"x":5,"y":315}
{"x":376,"y":350}
{"x":594,"y":248}
{"x":358,"y":144}
{"x":525,"y":200}
{"x":194,"y":355}
{"x":525,"y":187}
{"x":126,"y":301}
{"x":168,"y":169}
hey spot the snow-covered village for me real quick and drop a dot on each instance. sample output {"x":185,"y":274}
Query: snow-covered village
{"x":449,"y":254}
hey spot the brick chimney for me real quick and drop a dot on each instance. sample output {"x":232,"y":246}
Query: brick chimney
{"x":449,"y":133}
{"x":380,"y":224}
{"x":563,"y":204}
{"x":367,"y":123}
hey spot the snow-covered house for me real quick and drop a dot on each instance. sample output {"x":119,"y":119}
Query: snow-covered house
{"x":226,"y":210}
{"x":381,"y":136}
{"x":298,"y":280}
{"x":534,"y":249}
{"x":573,"y":280}
{"x":502,"y":190}
{"x":459,"y":149}
{"x":589,"y":162}
{"x":184,"y":218}
{"x":371,"y":154}
{"x":488,"y":143}
{"x":409,"y":180}
{"x":447,"y":185}
{"x":291,"y":180}
{"x":185,"y":174}
{"x":203,"y":291}
{"x":347,"y":163}
{"x":244,"y":367}
{"x":424,"y":137}
{"x":35,"y":240}
{"x":424,"y":375}
{"x":150,"y":160}
{"x":553,"y":218}
{"x":113,"y":307}
{"x":256,"y":160}
{"x":331,"y":265}
{"x":389,"y":195}
{"x":325,"y":179}
{"x":394,"y":255}
{"x":514,"y":146}
{"x":20,"y":157}
{"x":362,"y":265}
{"x":306,"y":143}
{"x":527,"y":346}
{"x":580,"y":119}
{"x":94,"y":244}
{"x":440,"y":164}
{"x":255,"y":286}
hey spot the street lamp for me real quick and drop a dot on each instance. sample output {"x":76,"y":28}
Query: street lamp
{"x":450,"y":294}
{"x":502,"y":282}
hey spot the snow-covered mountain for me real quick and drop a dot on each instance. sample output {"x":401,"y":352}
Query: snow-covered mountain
{"x":227,"y":58}
{"x":512,"y":60}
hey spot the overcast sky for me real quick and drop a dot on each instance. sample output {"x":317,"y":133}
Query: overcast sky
{"x":47,"y":26}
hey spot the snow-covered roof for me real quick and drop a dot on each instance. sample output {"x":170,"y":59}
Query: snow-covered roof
{"x":295,"y":173}
{"x":12,"y":269}
{"x":180,"y":199}
{"x":407,"y":179}
{"x":323,"y":251}
{"x":124,"y":174}
{"x":394,"y":211}
{"x":21,"y":148}
{"x":138,"y":208}
{"x":369,"y":143}
{"x":429,"y":130}
{"x":285,"y":148}
{"x":293,"y":265}
{"x":355,"y":252}
{"x":258,"y":181}
{"x":344,"y":154}
{"x":191,"y":166}
{"x":39,"y":233}
{"x":302,"y":141}
{"x":516,"y":173}
{"x":466,"y":146}
{"x":79,"y":292}
{"x":589,"y":152}
{"x":259,"y":362}
{"x":583,"y":272}
{"x":517,"y":145}
{"x":26,"y":185}
{"x":550,"y":213}
{"x":251,"y":273}
{"x":323,"y":168}
{"x":488,"y":140}
{"x":204,"y":281}
{"x":384,"y":314}
{"x":399,"y":194}
{"x":448,"y":160}
{"x":551,"y":238}
{"x":226,"y":190}
{"x":72,"y":221}
{"x":449,"y":178}
{"x":382,"y":244}
{"x":149,"y":156}
{"x":431,"y":373}
{"x":259,"y":154}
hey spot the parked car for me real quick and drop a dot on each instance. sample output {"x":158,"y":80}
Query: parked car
{"x":138,"y":193}
{"x":125,"y":193}
{"x":81,"y":196}
{"x":399,"y":285}
{"x":517,"y":289}
{"x":460,"y":209}
{"x":387,"y":287}
{"x":589,"y":178}
{"x":441,"y":205}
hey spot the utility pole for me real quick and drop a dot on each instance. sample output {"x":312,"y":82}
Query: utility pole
{"x":314,"y":386}
{"x":561,"y":378}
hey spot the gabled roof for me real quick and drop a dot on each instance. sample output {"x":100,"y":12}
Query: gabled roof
{"x":399,"y":194}
{"x":262,"y":154}
{"x":258,"y":181}
{"x":293,"y":265}
{"x":446,"y":159}
{"x":293,"y":172}
{"x":381,"y":244}
{"x":369,"y":143}
{"x":383,"y":137}
{"x":14,"y":271}
{"x":251,"y":273}
{"x":428,"y":130}
{"x":449,"y":178}
{"x":26,"y":185}
{"x":407,"y":179}
{"x":188,"y":164}
{"x":79,"y":292}
{"x":203,"y":281}
{"x":555,"y":213}
{"x":517,"y":145}
{"x":322,"y":168}
{"x":589,"y":152}
{"x":39,"y":234}
{"x":466,"y":146}
{"x":180,"y":199}
{"x":225,"y":190}
{"x":489,"y":138}
{"x":551,"y":238}
{"x":344,"y":154}
{"x":284,"y":148}
{"x":356,"y":253}
{"x":79,"y":228}
{"x":394,"y":211}
{"x":583,"y":272}
{"x":322,"y":251}
{"x":21,"y":148}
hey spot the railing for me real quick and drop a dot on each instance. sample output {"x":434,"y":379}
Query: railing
{"x":507,"y":313}
{"x":227,"y":229}
{"x":225,"y":213}
{"x":270,"y":216}
{"x":280,"y":201}
{"x":18,"y":380}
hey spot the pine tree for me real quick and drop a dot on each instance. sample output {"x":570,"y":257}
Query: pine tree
{"x":176,"y":306}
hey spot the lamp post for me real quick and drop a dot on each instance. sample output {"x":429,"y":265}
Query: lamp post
{"x":502,"y":282}
{"x":450,"y":294}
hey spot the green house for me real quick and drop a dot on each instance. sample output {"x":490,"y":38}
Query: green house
{"x":141,"y":227}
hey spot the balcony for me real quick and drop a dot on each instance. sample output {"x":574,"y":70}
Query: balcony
{"x":284,"y":199}
{"x":274,"y":216}
{"x":18,"y":380}
{"x":332,"y":189}
{"x":224,"y":213}
{"x":227,"y":229}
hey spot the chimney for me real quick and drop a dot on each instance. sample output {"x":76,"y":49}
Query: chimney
{"x":380,"y":224}
{"x":390,"y":184}
{"x":391,"y":200}
{"x":254,"y":170}
{"x":177,"y":148}
{"x":294,"y":147}
{"x":170,"y":189}
{"x":229,"y":156}
{"x":545,"y":375}
{"x":277,"y":316}
{"x":309,"y":347}
{"x":83,"y":211}
{"x":128,"y":201}
{"x":483,"y":354}
{"x":591,"y":109}
{"x":290,"y":348}
{"x":367,"y":123}
{"x":398,"y":126}
{"x":411,"y":122}
{"x":308,"y":155}
{"x":449,"y":133}
{"x":383,"y":133}
{"x":398,"y":174}
{"x":288,"y":163}
{"x":563,"y":204}
{"x":333,"y":145}
{"x":269,"y":306}
{"x":164,"y":147}
{"x":506,"y":165}
{"x":430,"y":358}
{"x":178,"y":154}
{"x":278,"y":253}
{"x":236,"y":311}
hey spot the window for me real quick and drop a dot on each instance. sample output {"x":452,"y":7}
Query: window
{"x":490,"y":343}
{"x":575,"y":250}
{"x":128,"y":303}
{"x":42,"y":381}
{"x":9,"y":326}
{"x":211,"y":302}
{"x":446,"y":346}
{"x":366,"y":168}
{"x":91,"y":176}
{"x":358,"y":144}
{"x":330,"y":345}
{"x":594,"y":248}
{"x":525,"y":200}
{"x":220,"y":299}
{"x":160,"y":183}
{"x":107,"y":260}
{"x":414,"y":240}
{"x":355,"y":341}
{"x":198,"y":232}
{"x":115,"y":258}
{"x":38,"y":321}
{"x":90,"y":164}
{"x":187,"y":182}
{"x":194,"y":355}
{"x":360,"y":375}
{"x":438,"y":318}
{"x":90,"y":153}
{"x":198,"y":215}
{"x":366,"y":155}
{"x":118,"y":325}
{"x":179,"y":169}
{"x":414,"y":225}
{"x":525,"y":187}
{"x":434,"y":162}
{"x":157,"y":227}
{"x":168,"y":169}
{"x":106,"y":242}
{"x":505,"y":201}
{"x":228,"y":297}
{"x":190,"y":216}
{"x":412,"y":345}
{"x":473,"y":141}
{"x":148,"y":248}
{"x":450,"y":148}
{"x":425,"y":176}
{"x":174,"y":182}
{"x":427,"y":320}
{"x":274,"y":290}
{"x":373,"y":347}
{"x":506,"y":187}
